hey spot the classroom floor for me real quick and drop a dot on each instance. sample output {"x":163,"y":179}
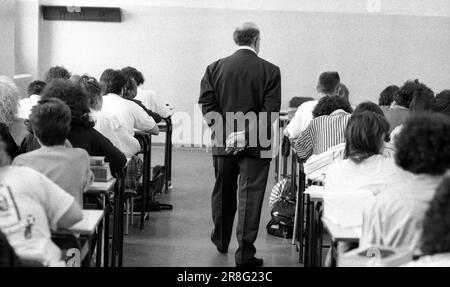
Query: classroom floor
{"x":181,"y":237}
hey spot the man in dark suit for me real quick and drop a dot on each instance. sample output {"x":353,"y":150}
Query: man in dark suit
{"x":240,"y":98}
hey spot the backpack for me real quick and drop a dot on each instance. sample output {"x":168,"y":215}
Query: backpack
{"x":283,"y":212}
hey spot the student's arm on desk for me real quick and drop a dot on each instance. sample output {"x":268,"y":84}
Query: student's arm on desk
{"x":142,"y":121}
{"x":154,"y":130}
{"x":72,"y":216}
{"x":60,"y":207}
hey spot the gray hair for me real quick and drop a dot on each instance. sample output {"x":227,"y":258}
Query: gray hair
{"x":9,"y":100}
{"x":246,"y":34}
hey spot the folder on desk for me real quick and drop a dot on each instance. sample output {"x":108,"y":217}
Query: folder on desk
{"x":101,"y":169}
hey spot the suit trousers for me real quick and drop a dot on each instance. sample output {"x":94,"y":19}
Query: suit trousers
{"x":246,"y":176}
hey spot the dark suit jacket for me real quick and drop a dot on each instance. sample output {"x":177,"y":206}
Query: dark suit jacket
{"x":245,"y":83}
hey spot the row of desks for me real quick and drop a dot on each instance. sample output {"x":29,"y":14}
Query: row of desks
{"x":96,"y":222}
{"x":309,"y":223}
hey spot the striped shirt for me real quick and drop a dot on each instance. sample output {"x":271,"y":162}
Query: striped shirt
{"x":322,"y":133}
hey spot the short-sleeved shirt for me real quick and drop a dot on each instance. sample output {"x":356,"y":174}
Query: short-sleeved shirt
{"x":322,"y":133}
{"x":375,"y":173}
{"x":395,"y":217}
{"x":67,"y":167}
{"x":111,"y":128}
{"x":303,"y":116}
{"x":129,"y":114}
{"x":30,"y":206}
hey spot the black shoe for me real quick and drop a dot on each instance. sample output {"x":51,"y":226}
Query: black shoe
{"x":254,"y":262}
{"x":222,"y":250}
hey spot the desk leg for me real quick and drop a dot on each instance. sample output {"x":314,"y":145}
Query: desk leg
{"x":320,"y":230}
{"x":316,"y":245}
{"x":307,"y":259}
{"x":333,"y":253}
{"x":170,"y":151}
{"x":106,"y":240}
{"x":166,"y":160}
{"x":294,"y":181}
{"x":117,"y":215}
{"x":313,"y":235}
{"x":121,"y":221}
{"x":147,"y":194}
{"x":98,"y":259}
{"x":301,"y":212}
{"x":145,"y":185}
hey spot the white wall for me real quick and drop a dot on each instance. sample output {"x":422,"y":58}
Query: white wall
{"x":172,"y":43}
{"x":7,"y":23}
{"x":27,"y":37}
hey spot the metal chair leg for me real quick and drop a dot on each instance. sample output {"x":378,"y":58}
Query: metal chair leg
{"x":127,"y":213}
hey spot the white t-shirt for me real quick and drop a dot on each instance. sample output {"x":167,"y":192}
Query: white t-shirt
{"x":303,"y":116}
{"x":30,"y":206}
{"x":395,"y":217}
{"x":151,"y":102}
{"x":351,"y":187}
{"x":130,"y":115}
{"x":375,"y":173}
{"x":110,"y":127}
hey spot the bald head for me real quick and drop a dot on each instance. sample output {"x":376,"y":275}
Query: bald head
{"x":246,"y":34}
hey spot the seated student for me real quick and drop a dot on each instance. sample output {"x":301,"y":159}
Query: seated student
{"x":82,"y":134}
{"x":422,"y":100}
{"x":364,"y":166}
{"x":436,"y":231}
{"x":387,"y":97}
{"x":442,"y":103}
{"x":395,"y":216}
{"x":130,"y":92}
{"x":389,"y":148}
{"x":130,"y":115}
{"x":9,"y":104}
{"x":57,"y":72}
{"x":107,"y":124}
{"x":35,"y":90}
{"x":30,"y":206}
{"x":326,"y":86}
{"x":326,"y":129}
{"x":67,"y":167}
{"x":148,"y":97}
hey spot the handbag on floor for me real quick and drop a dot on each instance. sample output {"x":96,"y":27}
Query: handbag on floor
{"x":283,"y":212}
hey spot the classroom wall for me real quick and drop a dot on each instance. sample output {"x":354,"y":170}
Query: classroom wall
{"x":27,"y":37}
{"x":173,"y":41}
{"x":7,"y":24}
